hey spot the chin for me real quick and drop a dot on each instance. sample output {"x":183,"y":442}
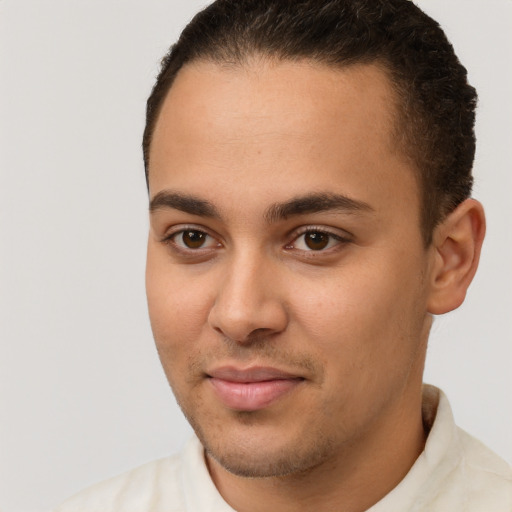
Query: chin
{"x":259,"y":445}
{"x":263,"y":456}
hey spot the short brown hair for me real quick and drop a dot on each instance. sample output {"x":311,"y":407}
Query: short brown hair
{"x":436,"y":104}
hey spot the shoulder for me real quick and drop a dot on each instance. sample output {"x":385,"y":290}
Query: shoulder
{"x":488,"y":476}
{"x":174,"y":484}
{"x":481,"y":458}
{"x":149,"y":487}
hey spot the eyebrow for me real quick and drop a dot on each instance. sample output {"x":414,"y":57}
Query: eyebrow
{"x":183,"y":202}
{"x":301,"y":205}
{"x":315,"y":203}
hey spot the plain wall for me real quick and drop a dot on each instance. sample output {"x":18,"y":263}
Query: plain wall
{"x":82,"y":394}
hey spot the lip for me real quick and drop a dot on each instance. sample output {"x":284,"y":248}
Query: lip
{"x":251,"y":389}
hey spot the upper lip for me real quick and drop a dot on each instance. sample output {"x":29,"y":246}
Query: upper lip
{"x":252,"y":374}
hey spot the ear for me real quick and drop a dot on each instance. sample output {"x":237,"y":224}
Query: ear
{"x":457,"y":243}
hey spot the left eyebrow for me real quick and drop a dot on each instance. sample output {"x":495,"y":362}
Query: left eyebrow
{"x":315,"y":203}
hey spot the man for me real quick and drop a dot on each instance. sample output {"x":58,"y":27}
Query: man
{"x":309,"y":175}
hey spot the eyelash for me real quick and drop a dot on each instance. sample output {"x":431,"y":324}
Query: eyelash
{"x":169,"y":239}
{"x":340,"y":240}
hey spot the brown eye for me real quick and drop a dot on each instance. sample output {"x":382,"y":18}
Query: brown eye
{"x":192,"y":242}
{"x":316,"y":241}
{"x":193,"y":239}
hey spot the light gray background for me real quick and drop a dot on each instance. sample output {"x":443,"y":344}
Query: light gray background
{"x":82,"y":395}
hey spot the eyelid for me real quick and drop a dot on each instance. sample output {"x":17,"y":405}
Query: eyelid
{"x":341,"y":236}
{"x":334,"y":232}
{"x":178,"y":228}
{"x":181,"y":228}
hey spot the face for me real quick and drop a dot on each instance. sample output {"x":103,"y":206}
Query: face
{"x":286,"y":273}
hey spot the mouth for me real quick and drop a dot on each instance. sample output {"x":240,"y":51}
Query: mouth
{"x":251,"y":389}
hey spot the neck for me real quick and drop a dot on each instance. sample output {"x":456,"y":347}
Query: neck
{"x":353,"y":479}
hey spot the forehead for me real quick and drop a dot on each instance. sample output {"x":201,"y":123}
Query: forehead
{"x":297,"y":125}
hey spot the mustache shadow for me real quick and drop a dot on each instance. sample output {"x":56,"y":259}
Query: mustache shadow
{"x":260,"y":349}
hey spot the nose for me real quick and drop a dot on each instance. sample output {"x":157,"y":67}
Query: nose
{"x":249,"y":301}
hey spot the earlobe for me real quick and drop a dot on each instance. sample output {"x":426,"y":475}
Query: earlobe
{"x":457,"y":243}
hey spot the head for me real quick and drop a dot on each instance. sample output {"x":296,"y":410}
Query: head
{"x":308,"y":166}
{"x":435,"y":105}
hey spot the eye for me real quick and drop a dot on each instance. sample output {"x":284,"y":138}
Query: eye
{"x":316,"y":240}
{"x":192,"y":239}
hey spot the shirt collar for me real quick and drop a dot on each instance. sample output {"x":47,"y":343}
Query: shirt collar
{"x":201,"y":495}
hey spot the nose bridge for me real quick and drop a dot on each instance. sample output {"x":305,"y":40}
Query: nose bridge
{"x":248,"y":296}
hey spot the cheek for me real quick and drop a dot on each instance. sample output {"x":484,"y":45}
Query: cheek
{"x":366,"y":313}
{"x":366,"y":327}
{"x":177,"y":318}
{"x":178,"y":304}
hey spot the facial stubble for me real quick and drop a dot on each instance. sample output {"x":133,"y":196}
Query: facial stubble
{"x":243,"y":458}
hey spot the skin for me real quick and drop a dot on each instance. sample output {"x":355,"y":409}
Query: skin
{"x":340,"y":299}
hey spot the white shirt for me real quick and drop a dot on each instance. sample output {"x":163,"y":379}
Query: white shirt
{"x":455,"y":473}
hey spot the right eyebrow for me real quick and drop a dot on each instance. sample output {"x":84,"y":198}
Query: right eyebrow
{"x":183,"y":202}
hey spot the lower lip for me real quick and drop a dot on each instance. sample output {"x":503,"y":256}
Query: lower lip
{"x":251,"y":396}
